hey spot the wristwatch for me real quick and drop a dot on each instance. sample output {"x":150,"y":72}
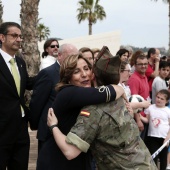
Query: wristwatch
{"x":51,"y":127}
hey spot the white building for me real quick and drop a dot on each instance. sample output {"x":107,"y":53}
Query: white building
{"x":109,"y":39}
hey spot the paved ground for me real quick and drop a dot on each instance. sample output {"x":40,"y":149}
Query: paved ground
{"x":33,"y":150}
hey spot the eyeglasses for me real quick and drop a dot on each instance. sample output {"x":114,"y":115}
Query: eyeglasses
{"x":53,"y":46}
{"x":127,"y":71}
{"x":142,"y":64}
{"x":15,"y":36}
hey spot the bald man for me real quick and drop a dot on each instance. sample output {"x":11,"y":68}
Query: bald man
{"x":44,"y":93}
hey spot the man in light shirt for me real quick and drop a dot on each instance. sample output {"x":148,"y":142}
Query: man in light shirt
{"x":50,"y":53}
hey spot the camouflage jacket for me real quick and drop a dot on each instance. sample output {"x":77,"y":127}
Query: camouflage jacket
{"x":113,"y":137}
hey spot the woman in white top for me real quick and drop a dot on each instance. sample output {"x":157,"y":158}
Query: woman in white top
{"x":124,"y":76}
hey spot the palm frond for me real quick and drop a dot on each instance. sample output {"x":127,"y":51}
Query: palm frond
{"x":90,"y":10}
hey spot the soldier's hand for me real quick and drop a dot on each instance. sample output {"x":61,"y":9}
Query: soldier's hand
{"x":124,"y":97}
{"x":129,"y":108}
{"x":51,"y":118}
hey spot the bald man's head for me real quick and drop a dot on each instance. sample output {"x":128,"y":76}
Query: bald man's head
{"x":66,"y":50}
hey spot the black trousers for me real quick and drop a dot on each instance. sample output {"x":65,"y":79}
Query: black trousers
{"x":15,"y":156}
{"x":153,"y":144}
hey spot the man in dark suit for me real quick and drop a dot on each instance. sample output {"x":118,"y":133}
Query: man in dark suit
{"x":44,"y":93}
{"x":14,"y":137}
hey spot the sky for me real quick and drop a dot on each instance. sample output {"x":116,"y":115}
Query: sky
{"x":142,"y":23}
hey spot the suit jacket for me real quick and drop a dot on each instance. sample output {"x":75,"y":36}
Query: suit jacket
{"x":42,"y":98}
{"x":10,"y":101}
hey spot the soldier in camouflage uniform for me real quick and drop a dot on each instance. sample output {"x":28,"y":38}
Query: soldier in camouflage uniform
{"x":108,"y":129}
{"x":113,"y":137}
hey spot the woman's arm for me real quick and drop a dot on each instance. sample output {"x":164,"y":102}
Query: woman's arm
{"x":70,"y":151}
{"x":74,"y":96}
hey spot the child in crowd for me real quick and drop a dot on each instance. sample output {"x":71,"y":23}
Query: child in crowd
{"x":158,"y":117}
{"x":159,"y":82}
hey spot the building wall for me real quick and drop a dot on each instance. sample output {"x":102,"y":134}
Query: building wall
{"x":109,"y":39}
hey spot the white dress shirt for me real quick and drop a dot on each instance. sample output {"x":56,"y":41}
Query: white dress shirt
{"x":47,"y":61}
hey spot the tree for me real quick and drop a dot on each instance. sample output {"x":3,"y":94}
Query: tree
{"x":90,"y":10}
{"x":168,"y":2}
{"x":1,"y":12}
{"x":43,"y":32}
{"x":29,"y":22}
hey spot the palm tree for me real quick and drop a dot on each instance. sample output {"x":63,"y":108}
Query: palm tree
{"x":1,"y":12}
{"x":29,"y":22}
{"x":168,"y":2}
{"x":43,"y":32}
{"x":90,"y":10}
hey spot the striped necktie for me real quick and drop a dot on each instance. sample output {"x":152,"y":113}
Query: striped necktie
{"x":15,"y":74}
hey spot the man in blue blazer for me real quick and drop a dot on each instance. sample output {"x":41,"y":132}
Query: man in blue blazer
{"x":44,"y":93}
{"x":14,"y":137}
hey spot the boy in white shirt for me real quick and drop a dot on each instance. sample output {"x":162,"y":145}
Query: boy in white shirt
{"x":159,"y":81}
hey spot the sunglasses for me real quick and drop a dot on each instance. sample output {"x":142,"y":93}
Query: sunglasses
{"x":53,"y":46}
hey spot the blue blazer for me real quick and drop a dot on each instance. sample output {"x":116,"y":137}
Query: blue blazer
{"x":42,"y":98}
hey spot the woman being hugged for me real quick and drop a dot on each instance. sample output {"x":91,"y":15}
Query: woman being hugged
{"x":74,"y":92}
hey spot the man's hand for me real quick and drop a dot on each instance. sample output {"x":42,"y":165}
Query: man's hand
{"x":157,"y":59}
{"x":51,"y":118}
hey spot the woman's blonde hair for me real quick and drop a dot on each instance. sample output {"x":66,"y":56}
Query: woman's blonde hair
{"x":67,"y":69}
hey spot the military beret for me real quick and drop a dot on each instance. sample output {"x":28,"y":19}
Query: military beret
{"x":107,"y":62}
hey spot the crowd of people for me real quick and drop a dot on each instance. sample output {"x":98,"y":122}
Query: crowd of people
{"x":80,"y":107}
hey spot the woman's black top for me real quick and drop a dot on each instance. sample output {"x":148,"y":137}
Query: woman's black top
{"x":67,"y":106}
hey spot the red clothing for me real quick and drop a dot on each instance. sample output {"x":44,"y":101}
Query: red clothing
{"x":148,"y":73}
{"x":138,"y":84}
